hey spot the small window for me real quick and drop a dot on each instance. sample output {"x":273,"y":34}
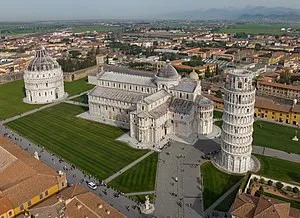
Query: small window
{"x":63,"y":184}
{"x":21,"y":207}
{"x":10,"y":213}
{"x":46,"y":193}
{"x":29,"y":203}
{"x":41,"y":196}
{"x":239,"y":85}
{"x":46,"y":84}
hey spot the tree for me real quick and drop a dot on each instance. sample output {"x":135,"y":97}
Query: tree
{"x":270,"y":182}
{"x":97,"y":50}
{"x":259,"y":192}
{"x":289,"y":188}
{"x":255,"y":179}
{"x":296,"y":190}
{"x":262,"y":181}
{"x":219,"y":95}
{"x":279,"y":185}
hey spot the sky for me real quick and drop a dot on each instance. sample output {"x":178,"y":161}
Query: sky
{"x":28,"y":10}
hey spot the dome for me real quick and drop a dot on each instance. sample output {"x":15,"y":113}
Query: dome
{"x":168,"y":71}
{"x":194,"y":76}
{"x":42,"y":61}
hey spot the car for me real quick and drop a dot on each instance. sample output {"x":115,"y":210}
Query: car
{"x":92,"y":185}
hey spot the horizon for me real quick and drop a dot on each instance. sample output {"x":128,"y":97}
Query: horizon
{"x":33,"y":10}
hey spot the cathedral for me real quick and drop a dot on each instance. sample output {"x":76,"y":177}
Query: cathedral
{"x":155,"y":107}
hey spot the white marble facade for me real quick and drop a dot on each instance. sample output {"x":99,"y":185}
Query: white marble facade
{"x":43,"y":78}
{"x":238,"y":118}
{"x":154,"y":107}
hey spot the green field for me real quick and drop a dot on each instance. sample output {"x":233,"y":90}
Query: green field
{"x":279,"y":169}
{"x":11,"y":100}
{"x":89,"y":145}
{"x":77,"y":86}
{"x":275,"y":136}
{"x":218,"y":114}
{"x":225,"y":205}
{"x":273,"y":29}
{"x":81,"y":99}
{"x":99,"y":29}
{"x":139,"y":178}
{"x":215,"y":183}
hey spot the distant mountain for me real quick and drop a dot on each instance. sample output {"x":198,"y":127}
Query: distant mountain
{"x":247,"y":13}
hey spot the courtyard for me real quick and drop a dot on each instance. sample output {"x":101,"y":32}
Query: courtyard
{"x":89,"y":145}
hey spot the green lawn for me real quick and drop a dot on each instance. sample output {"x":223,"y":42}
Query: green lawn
{"x":225,"y":205}
{"x":82,"y":99}
{"x":11,"y":100}
{"x":216,"y":183}
{"x":77,"y":86}
{"x":89,"y":145}
{"x":279,"y":169}
{"x":275,"y":136}
{"x":273,"y":29}
{"x":139,"y":178}
{"x":218,"y":114}
{"x":99,"y":29}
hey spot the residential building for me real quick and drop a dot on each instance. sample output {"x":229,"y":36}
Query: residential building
{"x":24,"y":180}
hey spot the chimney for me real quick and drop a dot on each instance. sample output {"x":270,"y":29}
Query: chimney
{"x":99,"y":206}
{"x":78,"y":205}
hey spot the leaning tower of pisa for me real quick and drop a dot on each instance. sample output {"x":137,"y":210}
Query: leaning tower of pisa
{"x":238,"y":117}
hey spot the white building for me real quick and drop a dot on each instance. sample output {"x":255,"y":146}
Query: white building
{"x":43,"y":79}
{"x":154,"y":107}
{"x":238,"y":117}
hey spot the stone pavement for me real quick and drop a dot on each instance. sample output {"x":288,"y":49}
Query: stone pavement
{"x":139,"y":193}
{"x":77,"y":103}
{"x":128,"y":167}
{"x":75,"y":175}
{"x":276,"y":153}
{"x":181,"y":161}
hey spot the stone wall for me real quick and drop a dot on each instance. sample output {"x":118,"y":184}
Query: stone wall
{"x":9,"y":77}
{"x":76,"y":75}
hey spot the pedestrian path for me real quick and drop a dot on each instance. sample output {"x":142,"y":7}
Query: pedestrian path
{"x":77,"y":103}
{"x":217,"y":202}
{"x":140,"y":193}
{"x":276,"y":153}
{"x":127,"y":167}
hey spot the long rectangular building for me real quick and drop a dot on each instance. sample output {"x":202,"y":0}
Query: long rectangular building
{"x":24,"y":180}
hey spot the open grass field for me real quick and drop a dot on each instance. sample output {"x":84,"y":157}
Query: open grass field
{"x":218,"y":114}
{"x":139,"y":178}
{"x":99,"y":29}
{"x":216,"y":183}
{"x":89,"y":145}
{"x":77,"y":86}
{"x":273,"y":29}
{"x":275,"y":136}
{"x":82,"y":99}
{"x":11,"y":100}
{"x":279,"y":169}
{"x":225,"y":205}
